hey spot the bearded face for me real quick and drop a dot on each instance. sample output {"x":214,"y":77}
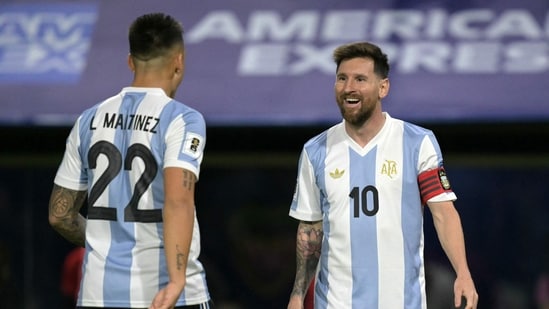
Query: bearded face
{"x":358,"y":90}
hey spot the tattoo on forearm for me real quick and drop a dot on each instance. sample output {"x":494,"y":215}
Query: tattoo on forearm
{"x":309,"y":240}
{"x":309,"y":243}
{"x":188,"y":180}
{"x":180,"y":258}
{"x":65,"y":206}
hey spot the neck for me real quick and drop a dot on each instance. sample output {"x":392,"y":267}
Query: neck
{"x":363,"y":134}
{"x":163,"y":72}
{"x":150,"y":80}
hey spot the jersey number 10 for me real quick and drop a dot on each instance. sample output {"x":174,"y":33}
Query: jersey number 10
{"x":360,"y":201}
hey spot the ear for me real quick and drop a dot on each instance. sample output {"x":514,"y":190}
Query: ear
{"x":384,"y":86}
{"x":180,"y":62}
{"x":131,"y":65}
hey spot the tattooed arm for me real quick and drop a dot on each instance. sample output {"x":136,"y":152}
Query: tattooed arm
{"x":309,"y":243}
{"x":178,"y":217}
{"x":64,"y":214}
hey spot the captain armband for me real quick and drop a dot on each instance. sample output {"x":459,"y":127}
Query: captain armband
{"x":432,"y":183}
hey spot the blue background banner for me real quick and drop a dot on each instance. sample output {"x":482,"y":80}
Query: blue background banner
{"x":269,"y":62}
{"x":45,"y":44}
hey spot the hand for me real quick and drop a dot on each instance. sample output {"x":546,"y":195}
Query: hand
{"x":464,"y":288}
{"x":295,"y":303}
{"x":167,"y":297}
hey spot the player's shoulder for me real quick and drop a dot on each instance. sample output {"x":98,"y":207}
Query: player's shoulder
{"x":316,"y":147}
{"x":102,"y":104}
{"x":178,"y":109}
{"x":412,"y":129}
{"x":185,"y":107}
{"x":321,"y":137}
{"x":87,"y":114}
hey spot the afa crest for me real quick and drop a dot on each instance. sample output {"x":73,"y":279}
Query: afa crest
{"x":389,"y":168}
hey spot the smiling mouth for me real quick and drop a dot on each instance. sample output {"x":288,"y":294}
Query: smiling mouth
{"x":352,"y":101}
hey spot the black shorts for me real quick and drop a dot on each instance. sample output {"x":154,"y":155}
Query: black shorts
{"x":208,"y":305}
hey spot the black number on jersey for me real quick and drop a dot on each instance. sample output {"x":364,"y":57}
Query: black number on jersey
{"x":360,"y":201}
{"x":114,"y":166}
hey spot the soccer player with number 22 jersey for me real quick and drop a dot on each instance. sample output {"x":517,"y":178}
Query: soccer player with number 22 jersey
{"x":135,"y":158}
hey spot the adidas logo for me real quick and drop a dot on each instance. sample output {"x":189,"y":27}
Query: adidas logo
{"x":337,"y":173}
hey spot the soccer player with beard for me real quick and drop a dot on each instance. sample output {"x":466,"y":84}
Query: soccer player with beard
{"x":361,"y":189}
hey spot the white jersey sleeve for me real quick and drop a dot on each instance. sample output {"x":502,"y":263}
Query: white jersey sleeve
{"x":186,"y":152}
{"x":306,"y":194}
{"x":70,"y":174}
{"x":430,"y":158}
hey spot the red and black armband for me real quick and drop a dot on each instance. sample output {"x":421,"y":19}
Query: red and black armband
{"x":432,"y":183}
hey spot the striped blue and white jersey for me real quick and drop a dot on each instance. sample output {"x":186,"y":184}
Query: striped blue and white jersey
{"x":370,"y":204}
{"x":117,"y":150}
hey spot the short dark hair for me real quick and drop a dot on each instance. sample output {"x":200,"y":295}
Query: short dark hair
{"x":363,"y":50}
{"x":153,"y":35}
